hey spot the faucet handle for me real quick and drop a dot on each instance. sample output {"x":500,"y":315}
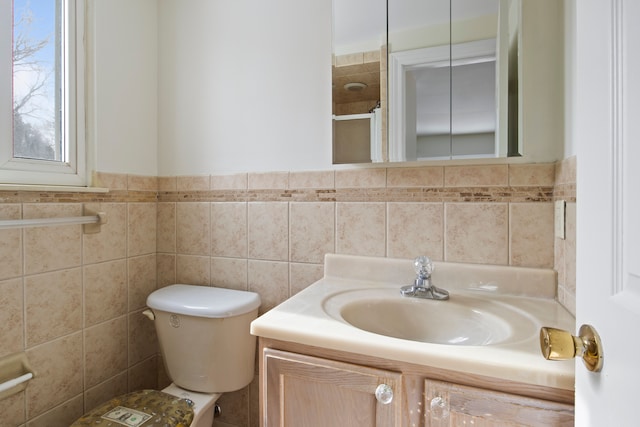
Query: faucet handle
{"x":423,"y":266}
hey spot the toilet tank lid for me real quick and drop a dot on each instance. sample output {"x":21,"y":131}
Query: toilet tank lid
{"x":203,"y":301}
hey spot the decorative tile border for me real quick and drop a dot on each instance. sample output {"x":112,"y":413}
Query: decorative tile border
{"x":72,"y":197}
{"x":473,"y":183}
{"x":454,"y":194}
{"x":565,"y":180}
{"x":565,"y":192}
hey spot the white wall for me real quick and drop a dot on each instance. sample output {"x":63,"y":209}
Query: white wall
{"x":570,"y":148}
{"x":123,"y":113}
{"x":541,"y":80}
{"x":244,"y":86}
{"x":200,"y":86}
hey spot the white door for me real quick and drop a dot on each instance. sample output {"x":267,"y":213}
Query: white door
{"x":607,"y":133}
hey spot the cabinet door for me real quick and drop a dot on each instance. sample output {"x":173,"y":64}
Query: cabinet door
{"x":300,"y":390}
{"x":455,"y":405}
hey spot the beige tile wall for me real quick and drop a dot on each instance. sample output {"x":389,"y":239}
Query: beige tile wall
{"x":73,"y":302}
{"x":565,"y":249}
{"x":269,"y":231}
{"x":240,"y":229}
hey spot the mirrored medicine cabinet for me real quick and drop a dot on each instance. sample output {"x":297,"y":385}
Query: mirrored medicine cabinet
{"x":446,"y":79}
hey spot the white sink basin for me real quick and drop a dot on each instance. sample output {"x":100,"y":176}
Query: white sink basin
{"x":465,"y":319}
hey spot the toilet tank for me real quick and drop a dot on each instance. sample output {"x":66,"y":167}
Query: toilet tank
{"x":204,"y":338}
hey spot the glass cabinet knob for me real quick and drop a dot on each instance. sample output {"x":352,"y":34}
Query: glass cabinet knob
{"x":439,"y":408}
{"x":384,"y":394}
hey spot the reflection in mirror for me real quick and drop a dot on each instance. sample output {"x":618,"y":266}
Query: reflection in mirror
{"x":485,"y":87}
{"x":419,"y":35}
{"x":444,"y":82}
{"x":467,"y":79}
{"x":359,"y":58}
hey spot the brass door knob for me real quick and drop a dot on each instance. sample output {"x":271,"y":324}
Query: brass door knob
{"x":557,"y":344}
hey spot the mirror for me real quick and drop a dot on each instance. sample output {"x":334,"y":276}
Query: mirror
{"x":359,"y":81}
{"x":442,"y":79}
{"x":454,"y":87}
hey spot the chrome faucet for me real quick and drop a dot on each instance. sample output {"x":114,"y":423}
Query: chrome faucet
{"x":422,"y":287}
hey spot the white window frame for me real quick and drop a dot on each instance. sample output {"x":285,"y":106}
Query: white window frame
{"x":72,"y":170}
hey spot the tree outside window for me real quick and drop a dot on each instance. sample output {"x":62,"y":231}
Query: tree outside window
{"x":36,"y":80}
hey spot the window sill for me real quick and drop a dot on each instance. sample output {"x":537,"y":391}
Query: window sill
{"x":56,"y":188}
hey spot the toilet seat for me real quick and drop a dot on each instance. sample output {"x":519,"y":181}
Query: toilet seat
{"x":142,"y":408}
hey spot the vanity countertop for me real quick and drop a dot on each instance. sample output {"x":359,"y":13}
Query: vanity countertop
{"x":305,"y":318}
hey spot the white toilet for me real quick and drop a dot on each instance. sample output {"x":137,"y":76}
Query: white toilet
{"x":204,"y":338}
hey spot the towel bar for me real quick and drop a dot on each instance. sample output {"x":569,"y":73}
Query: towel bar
{"x":92,"y":221}
{"x":15,"y":381}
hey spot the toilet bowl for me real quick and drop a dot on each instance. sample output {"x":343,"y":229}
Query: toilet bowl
{"x":207,"y":350}
{"x":202,"y":404}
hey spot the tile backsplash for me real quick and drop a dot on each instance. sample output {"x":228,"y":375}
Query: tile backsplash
{"x":565,"y":249}
{"x":73,"y":301}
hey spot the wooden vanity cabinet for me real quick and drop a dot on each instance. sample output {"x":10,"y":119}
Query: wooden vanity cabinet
{"x":308,"y":391}
{"x":312,"y":387}
{"x":449,"y":405}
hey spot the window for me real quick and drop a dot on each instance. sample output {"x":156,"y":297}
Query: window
{"x":42,"y":132}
